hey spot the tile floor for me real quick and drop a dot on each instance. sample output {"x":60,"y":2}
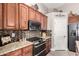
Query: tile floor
{"x":61,"y":53}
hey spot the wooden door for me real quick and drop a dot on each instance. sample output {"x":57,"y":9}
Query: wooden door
{"x":1,"y":16}
{"x":32,"y":14}
{"x":10,"y":16}
{"x":38,"y":17}
{"x":23,"y":12}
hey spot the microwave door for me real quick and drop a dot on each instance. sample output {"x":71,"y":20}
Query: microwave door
{"x":34,"y":25}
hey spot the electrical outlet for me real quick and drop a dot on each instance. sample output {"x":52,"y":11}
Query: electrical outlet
{"x":13,"y":34}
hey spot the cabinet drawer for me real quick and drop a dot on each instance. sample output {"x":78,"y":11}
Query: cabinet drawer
{"x":14,"y":53}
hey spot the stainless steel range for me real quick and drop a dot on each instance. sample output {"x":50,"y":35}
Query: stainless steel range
{"x":39,"y":46}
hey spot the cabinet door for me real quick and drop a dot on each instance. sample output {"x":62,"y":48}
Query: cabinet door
{"x":49,"y":43}
{"x":38,"y":17}
{"x":0,"y":15}
{"x":42,"y":22}
{"x":32,"y":14}
{"x":10,"y":16}
{"x":45,"y":23}
{"x":47,"y":46}
{"x":23,"y":16}
{"x":27,"y":51}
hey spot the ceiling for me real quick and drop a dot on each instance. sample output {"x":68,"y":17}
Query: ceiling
{"x":53,"y":7}
{"x":49,"y":7}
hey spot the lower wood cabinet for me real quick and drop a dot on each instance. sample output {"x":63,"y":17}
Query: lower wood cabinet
{"x":26,"y":51}
{"x":48,"y":45}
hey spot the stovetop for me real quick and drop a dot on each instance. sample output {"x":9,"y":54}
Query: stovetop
{"x":35,"y":40}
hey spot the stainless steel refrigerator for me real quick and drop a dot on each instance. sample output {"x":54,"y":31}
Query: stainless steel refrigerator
{"x":73,"y":35}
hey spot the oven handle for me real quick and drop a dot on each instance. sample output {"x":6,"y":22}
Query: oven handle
{"x":39,"y":45}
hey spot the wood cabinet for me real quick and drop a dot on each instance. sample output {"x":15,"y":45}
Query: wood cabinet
{"x":14,"y":53}
{"x":48,"y":45}
{"x":31,"y":14}
{"x":38,"y":17}
{"x":27,"y":51}
{"x":1,"y":15}
{"x":23,"y":16}
{"x":15,"y":16}
{"x":73,"y":19}
{"x":10,"y":16}
{"x":43,"y":22}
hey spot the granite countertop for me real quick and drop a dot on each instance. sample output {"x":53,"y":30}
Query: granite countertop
{"x":13,"y":46}
{"x":45,"y":38}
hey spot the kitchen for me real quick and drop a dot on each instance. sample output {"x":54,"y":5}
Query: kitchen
{"x":34,"y":30}
{"x":22,"y":31}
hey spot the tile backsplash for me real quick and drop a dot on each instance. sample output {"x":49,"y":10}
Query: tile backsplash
{"x":21,"y":34}
{"x":5,"y":32}
{"x":29,"y":34}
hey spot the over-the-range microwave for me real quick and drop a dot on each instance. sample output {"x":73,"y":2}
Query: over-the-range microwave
{"x":34,"y":25}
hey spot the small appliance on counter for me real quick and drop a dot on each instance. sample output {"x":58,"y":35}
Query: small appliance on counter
{"x":44,"y":34}
{"x":5,"y":39}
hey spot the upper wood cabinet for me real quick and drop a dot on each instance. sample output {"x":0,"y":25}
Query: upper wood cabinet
{"x":73,"y":19}
{"x":23,"y":18}
{"x":1,"y":15}
{"x":15,"y":16}
{"x":32,"y":14}
{"x":38,"y":16}
{"x":10,"y":16}
{"x":43,"y":22}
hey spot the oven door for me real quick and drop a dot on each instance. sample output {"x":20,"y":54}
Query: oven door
{"x":38,"y":48}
